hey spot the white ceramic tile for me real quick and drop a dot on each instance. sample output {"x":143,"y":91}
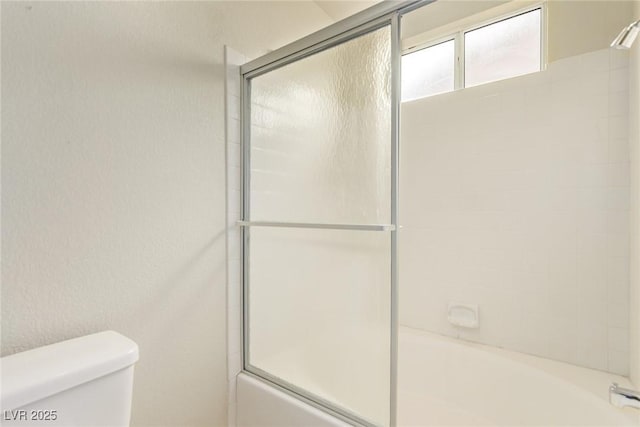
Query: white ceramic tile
{"x":594,"y":357}
{"x":233,"y":88}
{"x":619,"y":103}
{"x":618,"y":222}
{"x":592,"y":151}
{"x":234,"y":244}
{"x":596,"y":61}
{"x":618,"y":314}
{"x":595,"y":82}
{"x":618,"y":363}
{"x":619,"y":80}
{"x":234,"y":182}
{"x":589,"y":223}
{"x":234,"y":272}
{"x":524,"y":206}
{"x":564,"y":68}
{"x":618,"y":246}
{"x":594,"y":176}
{"x":234,"y":206}
{"x":618,"y":127}
{"x":234,"y":154}
{"x":601,"y":128}
{"x":560,"y":341}
{"x":617,"y":198}
{"x":590,"y":307}
{"x":619,"y":339}
{"x":598,"y":107}
{"x":619,"y":58}
{"x":232,"y":105}
{"x":618,"y":150}
{"x":618,"y":279}
{"x":231,"y":406}
{"x":235,"y":365}
{"x":233,"y":131}
{"x":618,"y":174}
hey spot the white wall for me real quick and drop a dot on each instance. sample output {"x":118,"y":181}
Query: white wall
{"x":577,"y":27}
{"x":634,"y":142}
{"x":515,"y":196}
{"x":113,"y":183}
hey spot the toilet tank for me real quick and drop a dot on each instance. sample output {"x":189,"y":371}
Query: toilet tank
{"x":86,"y":381}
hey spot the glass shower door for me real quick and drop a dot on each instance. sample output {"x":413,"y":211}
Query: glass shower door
{"x":318,"y":226}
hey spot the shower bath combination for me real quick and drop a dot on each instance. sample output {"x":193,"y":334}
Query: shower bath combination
{"x":510,"y":221}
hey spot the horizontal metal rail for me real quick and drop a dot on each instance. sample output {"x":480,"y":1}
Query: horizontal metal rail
{"x":379,"y":10}
{"x":356,"y":227}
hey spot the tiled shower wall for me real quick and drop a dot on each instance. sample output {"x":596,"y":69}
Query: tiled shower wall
{"x":634,"y":142}
{"x":233,"y":60}
{"x":515,"y":197}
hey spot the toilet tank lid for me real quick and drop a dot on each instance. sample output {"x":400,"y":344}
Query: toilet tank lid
{"x":36,"y":374}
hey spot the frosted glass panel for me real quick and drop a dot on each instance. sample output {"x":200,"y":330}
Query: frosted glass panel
{"x":319,"y":314}
{"x":428,"y":71}
{"x":505,"y":49}
{"x":321,"y":136}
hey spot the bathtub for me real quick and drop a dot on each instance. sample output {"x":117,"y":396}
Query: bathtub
{"x":443,"y":381}
{"x":447,"y":382}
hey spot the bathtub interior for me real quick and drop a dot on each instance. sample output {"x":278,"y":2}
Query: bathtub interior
{"x":444,"y":381}
{"x":335,"y":376}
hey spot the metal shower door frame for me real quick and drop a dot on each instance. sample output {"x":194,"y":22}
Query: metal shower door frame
{"x":386,"y":13}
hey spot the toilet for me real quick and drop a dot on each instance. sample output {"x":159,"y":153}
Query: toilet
{"x":86,"y":381}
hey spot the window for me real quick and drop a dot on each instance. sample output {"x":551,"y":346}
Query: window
{"x":503,"y":49}
{"x":428,"y":71}
{"x":499,"y":50}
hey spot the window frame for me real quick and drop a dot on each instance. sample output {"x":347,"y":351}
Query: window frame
{"x":458,"y":36}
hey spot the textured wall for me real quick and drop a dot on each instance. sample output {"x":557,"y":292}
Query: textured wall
{"x":515,"y":196}
{"x":113,"y":183}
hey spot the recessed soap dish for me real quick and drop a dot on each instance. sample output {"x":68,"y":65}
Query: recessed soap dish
{"x":463,"y":315}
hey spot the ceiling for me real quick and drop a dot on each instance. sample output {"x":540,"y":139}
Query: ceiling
{"x":340,"y":9}
{"x":419,"y":21}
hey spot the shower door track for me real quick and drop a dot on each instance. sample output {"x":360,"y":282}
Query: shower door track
{"x":375,"y":17}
